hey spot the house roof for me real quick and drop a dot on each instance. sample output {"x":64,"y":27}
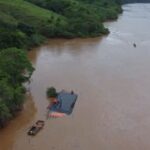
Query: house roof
{"x":66,"y":102}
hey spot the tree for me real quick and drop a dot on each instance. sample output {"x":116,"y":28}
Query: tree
{"x":51,"y":92}
{"x":15,"y":69}
{"x":15,"y":64}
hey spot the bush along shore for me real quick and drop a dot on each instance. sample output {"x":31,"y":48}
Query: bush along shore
{"x":15,"y":69}
{"x":28,"y":23}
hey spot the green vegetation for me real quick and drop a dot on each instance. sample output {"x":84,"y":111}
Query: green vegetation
{"x":51,"y":92}
{"x":84,"y":17}
{"x":27,"y":23}
{"x":15,"y":69}
{"x":24,"y":25}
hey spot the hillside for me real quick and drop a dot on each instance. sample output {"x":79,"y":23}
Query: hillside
{"x":25,"y":23}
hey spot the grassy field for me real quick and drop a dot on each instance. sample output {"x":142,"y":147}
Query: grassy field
{"x":21,"y":10}
{"x":24,"y":20}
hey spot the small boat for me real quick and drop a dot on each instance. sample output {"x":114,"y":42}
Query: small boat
{"x":134,"y":45}
{"x":36,"y":128}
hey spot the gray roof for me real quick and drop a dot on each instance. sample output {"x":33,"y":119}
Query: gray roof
{"x":66,"y":102}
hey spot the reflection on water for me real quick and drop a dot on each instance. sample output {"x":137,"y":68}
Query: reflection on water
{"x":112,"y":79}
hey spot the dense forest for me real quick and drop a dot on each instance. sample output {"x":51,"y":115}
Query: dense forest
{"x":27,"y":23}
{"x":15,"y":69}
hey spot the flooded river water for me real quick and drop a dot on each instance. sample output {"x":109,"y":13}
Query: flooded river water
{"x":112,"y":79}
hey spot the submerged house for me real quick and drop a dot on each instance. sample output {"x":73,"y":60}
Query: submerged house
{"x":65,"y":104}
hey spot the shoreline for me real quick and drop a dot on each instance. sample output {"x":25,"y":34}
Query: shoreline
{"x":13,"y":127}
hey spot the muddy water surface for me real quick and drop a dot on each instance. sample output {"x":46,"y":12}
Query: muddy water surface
{"x":112,"y":79}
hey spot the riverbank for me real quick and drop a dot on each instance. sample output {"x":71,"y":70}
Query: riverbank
{"x":19,"y":123}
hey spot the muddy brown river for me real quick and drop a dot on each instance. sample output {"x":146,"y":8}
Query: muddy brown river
{"x":112,"y":79}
